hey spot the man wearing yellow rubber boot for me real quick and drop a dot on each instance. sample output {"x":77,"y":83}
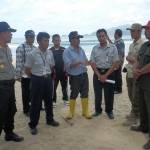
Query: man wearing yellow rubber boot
{"x":75,"y":62}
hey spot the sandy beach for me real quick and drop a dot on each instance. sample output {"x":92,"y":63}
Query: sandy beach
{"x":100,"y":133}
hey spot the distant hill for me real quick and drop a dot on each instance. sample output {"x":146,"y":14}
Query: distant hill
{"x":122,"y":27}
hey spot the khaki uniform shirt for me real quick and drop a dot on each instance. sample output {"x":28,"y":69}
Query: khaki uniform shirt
{"x":7,"y":71}
{"x":133,"y":52}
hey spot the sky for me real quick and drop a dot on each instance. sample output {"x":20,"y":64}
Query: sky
{"x":63,"y":16}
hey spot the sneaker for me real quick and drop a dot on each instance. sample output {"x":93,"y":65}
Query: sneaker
{"x":33,"y":131}
{"x":66,"y":103}
{"x":53,"y":123}
{"x":147,"y":145}
{"x":96,"y":114}
{"x":110,"y":115}
{"x":54,"y":105}
{"x":13,"y":137}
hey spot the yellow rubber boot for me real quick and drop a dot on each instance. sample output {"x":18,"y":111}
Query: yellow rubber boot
{"x":72,"y":103}
{"x":85,"y":109}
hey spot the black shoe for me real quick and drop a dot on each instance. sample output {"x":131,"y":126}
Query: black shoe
{"x":53,"y":123}
{"x":13,"y":137}
{"x":96,"y":114}
{"x":110,"y":115}
{"x":138,"y":129}
{"x":33,"y":131}
{"x":147,"y":145}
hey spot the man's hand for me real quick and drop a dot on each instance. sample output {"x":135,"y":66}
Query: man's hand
{"x":137,"y":73}
{"x":103,"y":78}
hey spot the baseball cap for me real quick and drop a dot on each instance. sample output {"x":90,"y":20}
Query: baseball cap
{"x":147,"y":25}
{"x":29,"y":33}
{"x":4,"y":26}
{"x":74,"y":34}
{"x":135,"y":26}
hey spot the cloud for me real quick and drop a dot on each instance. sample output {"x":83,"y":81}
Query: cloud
{"x":62,"y":16}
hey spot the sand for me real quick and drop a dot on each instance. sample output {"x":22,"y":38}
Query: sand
{"x":100,"y":133}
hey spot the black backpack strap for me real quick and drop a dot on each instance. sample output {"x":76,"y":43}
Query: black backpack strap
{"x":24,"y":51}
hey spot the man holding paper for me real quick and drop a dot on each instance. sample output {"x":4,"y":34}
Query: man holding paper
{"x":104,"y":59}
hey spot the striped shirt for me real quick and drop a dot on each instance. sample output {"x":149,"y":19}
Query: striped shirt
{"x":21,"y":53}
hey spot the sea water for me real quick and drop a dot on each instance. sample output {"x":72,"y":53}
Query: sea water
{"x":87,"y":43}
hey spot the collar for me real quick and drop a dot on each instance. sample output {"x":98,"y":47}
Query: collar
{"x":119,"y":39}
{"x":41,"y":52}
{"x":73,"y":49}
{"x":107,"y":46}
{"x":138,"y":41}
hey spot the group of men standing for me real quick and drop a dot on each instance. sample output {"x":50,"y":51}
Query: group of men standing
{"x":40,"y":69}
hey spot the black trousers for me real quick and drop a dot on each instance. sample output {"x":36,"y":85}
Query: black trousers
{"x":41,"y":89}
{"x":26,"y":97}
{"x":108,"y":94}
{"x":79,"y":84}
{"x":144,"y":101}
{"x":118,"y":79}
{"x":63,"y":79}
{"x":7,"y":106}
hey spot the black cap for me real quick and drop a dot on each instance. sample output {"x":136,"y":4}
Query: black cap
{"x":29,"y":33}
{"x":4,"y":26}
{"x":74,"y":34}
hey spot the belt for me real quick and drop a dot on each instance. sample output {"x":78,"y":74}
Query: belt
{"x":102,"y":70}
{"x":44,"y":76}
{"x":82,"y":74}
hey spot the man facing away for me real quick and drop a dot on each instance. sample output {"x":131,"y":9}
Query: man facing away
{"x":7,"y":80}
{"x":21,"y":53}
{"x":119,"y":43}
{"x":39,"y":66}
{"x":59,"y":74}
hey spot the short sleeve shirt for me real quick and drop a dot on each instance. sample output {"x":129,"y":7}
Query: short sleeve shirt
{"x":104,"y":57}
{"x":7,"y":71}
{"x":40,"y":62}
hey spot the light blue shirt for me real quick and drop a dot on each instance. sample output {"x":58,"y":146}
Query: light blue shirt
{"x":71,"y":56}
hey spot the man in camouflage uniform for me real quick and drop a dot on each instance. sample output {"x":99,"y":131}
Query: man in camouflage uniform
{"x":142,"y":75}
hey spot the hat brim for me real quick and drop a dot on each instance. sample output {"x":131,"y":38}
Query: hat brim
{"x":129,"y":29}
{"x":12,"y":30}
{"x":80,"y":36}
{"x":145,"y":26}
